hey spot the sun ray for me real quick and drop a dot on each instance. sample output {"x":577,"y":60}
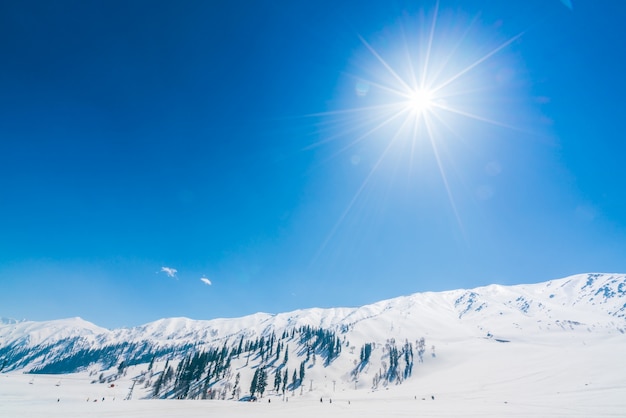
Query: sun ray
{"x":368,"y":133}
{"x":355,"y":127}
{"x":480,"y":118}
{"x":409,"y":60}
{"x":476,"y":63}
{"x":385,"y":64}
{"x":390,"y":89}
{"x":431,"y":36}
{"x":417,"y":95}
{"x":357,"y":194}
{"x":445,"y":62}
{"x":355,"y":110}
{"x":414,"y":137}
{"x":444,"y":177}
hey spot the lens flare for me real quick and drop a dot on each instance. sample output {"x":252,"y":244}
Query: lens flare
{"x":419,"y":89}
{"x":420,"y":101}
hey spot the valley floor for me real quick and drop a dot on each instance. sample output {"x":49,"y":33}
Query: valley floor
{"x":478,"y":378}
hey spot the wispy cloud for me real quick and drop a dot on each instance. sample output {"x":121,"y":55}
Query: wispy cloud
{"x":171,"y":272}
{"x":206,"y":281}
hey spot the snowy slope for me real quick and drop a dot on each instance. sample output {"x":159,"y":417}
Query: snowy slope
{"x":30,"y":333}
{"x":547,"y":349}
{"x":586,"y":303}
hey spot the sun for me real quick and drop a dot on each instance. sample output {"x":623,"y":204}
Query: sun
{"x":417,"y":89}
{"x":420,"y":100}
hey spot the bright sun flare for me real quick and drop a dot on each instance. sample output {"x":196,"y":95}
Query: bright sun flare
{"x":414,"y":94}
{"x":420,"y":100}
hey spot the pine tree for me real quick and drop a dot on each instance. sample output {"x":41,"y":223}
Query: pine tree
{"x":237,"y":377}
{"x":302,"y":372}
{"x":277,"y":380}
{"x":121,"y":367}
{"x":240,"y":347}
{"x":294,"y":380}
{"x":255,"y":382}
{"x":157,"y":385}
{"x":169,"y":373}
{"x":262,"y":348}
{"x":366,"y":352}
{"x":278,"y":347}
{"x":262,"y":381}
{"x":285,"y":379}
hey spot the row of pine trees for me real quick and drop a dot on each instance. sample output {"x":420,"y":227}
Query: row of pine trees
{"x":207,"y":373}
{"x":198,"y":373}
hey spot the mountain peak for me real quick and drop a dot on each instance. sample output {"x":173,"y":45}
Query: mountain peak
{"x":9,"y":321}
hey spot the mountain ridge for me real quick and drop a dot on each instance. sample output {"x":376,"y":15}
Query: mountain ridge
{"x":576,"y":307}
{"x":609,"y":296}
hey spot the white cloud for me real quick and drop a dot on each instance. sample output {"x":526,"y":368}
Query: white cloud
{"x":205,"y":281}
{"x":171,"y":272}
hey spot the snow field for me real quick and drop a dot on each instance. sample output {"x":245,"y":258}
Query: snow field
{"x":561,"y":377}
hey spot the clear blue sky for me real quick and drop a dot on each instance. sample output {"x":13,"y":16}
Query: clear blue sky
{"x":260,"y":145}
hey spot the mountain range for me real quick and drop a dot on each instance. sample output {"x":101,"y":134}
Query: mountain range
{"x":387,"y":342}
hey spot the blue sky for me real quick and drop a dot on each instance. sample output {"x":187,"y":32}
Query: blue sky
{"x":269,"y":148}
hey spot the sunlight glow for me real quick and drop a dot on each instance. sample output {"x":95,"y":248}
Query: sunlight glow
{"x":420,"y":92}
{"x":420,"y":100}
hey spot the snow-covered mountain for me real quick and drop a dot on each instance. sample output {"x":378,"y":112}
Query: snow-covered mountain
{"x":406,"y":328}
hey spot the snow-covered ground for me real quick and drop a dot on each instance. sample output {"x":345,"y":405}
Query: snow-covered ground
{"x":574,"y":375}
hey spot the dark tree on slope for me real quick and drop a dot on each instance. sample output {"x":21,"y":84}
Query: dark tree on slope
{"x":236,"y":386}
{"x":157,"y":386}
{"x":255,"y":382}
{"x":421,"y":349}
{"x":259,"y":382}
{"x":278,"y":347}
{"x":294,"y":380}
{"x":285,"y":379}
{"x":408,"y":359}
{"x":302,"y":372}
{"x":262,"y":348}
{"x":394,"y":356}
{"x":163,"y":378}
{"x":169,"y":373}
{"x":262,"y":381}
{"x":366,"y":352}
{"x":277,"y":380}
{"x":240,"y":347}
